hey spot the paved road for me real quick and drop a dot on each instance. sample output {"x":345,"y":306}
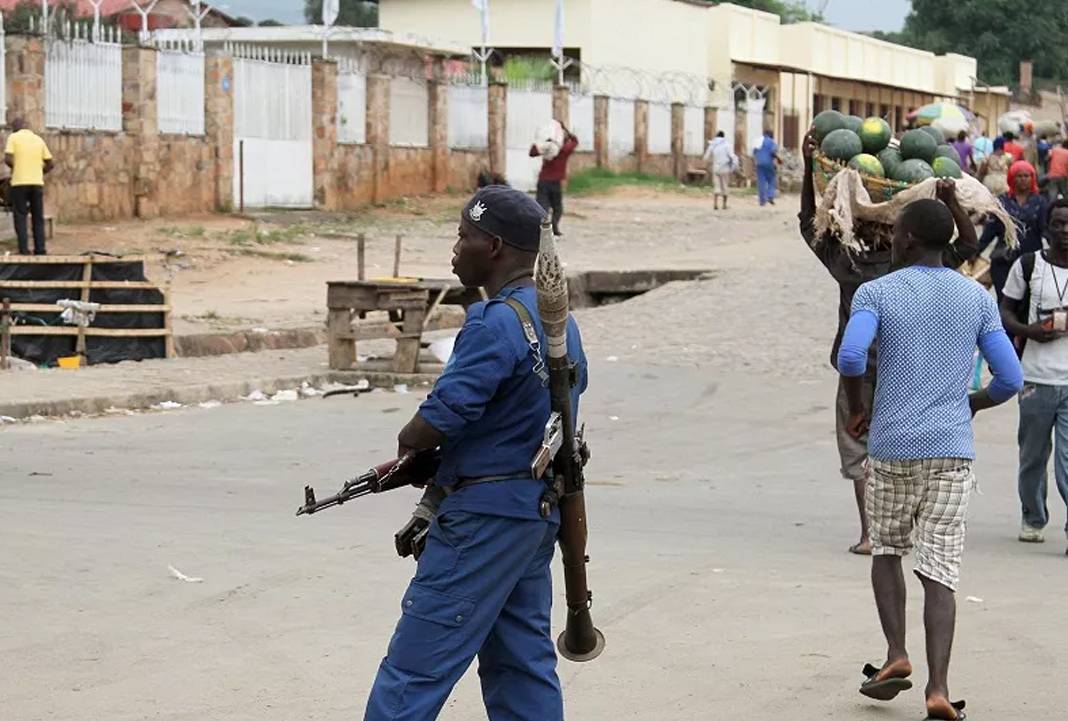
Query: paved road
{"x":718,"y":535}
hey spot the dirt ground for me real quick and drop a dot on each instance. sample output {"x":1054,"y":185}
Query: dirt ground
{"x":228,"y":273}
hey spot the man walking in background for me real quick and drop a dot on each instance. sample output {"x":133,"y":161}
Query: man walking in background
{"x":927,"y":320}
{"x":29,"y":159}
{"x":721,"y":162}
{"x":1057,"y":175}
{"x":552,"y":176}
{"x":766,"y":156}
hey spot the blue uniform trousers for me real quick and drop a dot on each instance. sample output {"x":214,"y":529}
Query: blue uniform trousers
{"x":483,"y":586}
{"x":765,"y":183}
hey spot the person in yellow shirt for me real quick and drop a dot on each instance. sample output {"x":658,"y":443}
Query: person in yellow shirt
{"x":29,"y":159}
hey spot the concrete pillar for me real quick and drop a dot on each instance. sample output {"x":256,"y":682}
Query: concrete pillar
{"x":378,"y":133}
{"x":600,"y":130}
{"x":140,"y":120}
{"x":497,"y":122}
{"x":678,"y":140}
{"x":641,"y":132}
{"x":562,"y":104}
{"x":439,"y":134}
{"x":25,"y":68}
{"x":219,"y":125}
{"x":324,"y":133}
{"x":711,"y":124}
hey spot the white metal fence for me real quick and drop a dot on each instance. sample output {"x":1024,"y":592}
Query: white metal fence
{"x":351,"y":102}
{"x":582,"y":123}
{"x":180,"y":87}
{"x":468,"y":116}
{"x":272,"y":97}
{"x":620,"y":127}
{"x":659,"y":128}
{"x":529,"y":111}
{"x":83,"y":80}
{"x":693,"y":130}
{"x":409,"y":111}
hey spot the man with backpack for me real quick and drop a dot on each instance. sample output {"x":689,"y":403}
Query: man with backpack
{"x":1034,"y":310}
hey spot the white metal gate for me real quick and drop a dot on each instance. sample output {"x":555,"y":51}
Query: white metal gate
{"x":528,"y":112}
{"x":272,"y":128}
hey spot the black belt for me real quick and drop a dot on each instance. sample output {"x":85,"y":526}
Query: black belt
{"x":549,"y":499}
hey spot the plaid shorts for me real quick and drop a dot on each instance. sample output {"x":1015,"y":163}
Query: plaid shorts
{"x":928,"y":496}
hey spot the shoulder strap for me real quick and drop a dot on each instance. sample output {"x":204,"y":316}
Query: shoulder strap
{"x":530,"y":332}
{"x":1027,"y":264}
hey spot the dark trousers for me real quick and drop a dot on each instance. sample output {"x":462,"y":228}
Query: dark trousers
{"x":551,"y":196}
{"x":28,"y":200}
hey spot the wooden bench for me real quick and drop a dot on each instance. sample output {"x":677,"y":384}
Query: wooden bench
{"x":696,"y":175}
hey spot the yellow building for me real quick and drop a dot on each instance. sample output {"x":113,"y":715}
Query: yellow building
{"x":756,"y":71}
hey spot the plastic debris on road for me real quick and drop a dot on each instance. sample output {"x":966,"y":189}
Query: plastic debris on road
{"x":166,"y":406}
{"x":256,"y":395}
{"x":182,"y":577}
{"x":209,"y":404}
{"x":287,"y":395}
{"x":400,"y":388}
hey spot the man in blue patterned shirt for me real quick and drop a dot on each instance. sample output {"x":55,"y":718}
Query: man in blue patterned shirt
{"x":927,"y":320}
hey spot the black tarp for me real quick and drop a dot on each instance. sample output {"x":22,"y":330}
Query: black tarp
{"x":45,"y":349}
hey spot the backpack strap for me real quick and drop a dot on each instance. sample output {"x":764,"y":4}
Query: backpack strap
{"x":530,"y":332}
{"x":1027,"y":264}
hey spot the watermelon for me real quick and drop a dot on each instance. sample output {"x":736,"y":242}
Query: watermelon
{"x":934,"y":133}
{"x":875,"y":134}
{"x":944,"y":167}
{"x":945,"y":150}
{"x":918,"y":145}
{"x":867,"y":164}
{"x":841,"y":145}
{"x":853,"y":122}
{"x":827,"y":122}
{"x":913,"y":171}
{"x":890,"y":158}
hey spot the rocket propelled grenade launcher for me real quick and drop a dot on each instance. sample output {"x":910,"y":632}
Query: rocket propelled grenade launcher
{"x":580,"y":641}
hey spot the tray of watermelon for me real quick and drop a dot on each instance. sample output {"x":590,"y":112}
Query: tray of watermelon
{"x":886,"y":166}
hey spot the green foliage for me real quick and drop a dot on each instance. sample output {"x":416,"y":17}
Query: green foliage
{"x":999,"y":33}
{"x":599,"y":180}
{"x":356,"y":13}
{"x":518,"y":69}
{"x":244,"y":22}
{"x":271,"y":23}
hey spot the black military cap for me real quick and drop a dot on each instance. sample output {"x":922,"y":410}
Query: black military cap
{"x":510,"y":214}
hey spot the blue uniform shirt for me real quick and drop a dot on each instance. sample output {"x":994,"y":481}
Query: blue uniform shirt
{"x":492,"y":408}
{"x":765,"y":153}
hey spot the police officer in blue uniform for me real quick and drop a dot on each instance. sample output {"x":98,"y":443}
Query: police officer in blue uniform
{"x":483,"y":584}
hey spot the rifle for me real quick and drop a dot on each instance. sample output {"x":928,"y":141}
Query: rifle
{"x":415,"y":468}
{"x":580,"y":640}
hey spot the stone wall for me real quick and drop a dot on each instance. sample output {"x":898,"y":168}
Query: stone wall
{"x":139,"y":172}
{"x":93,"y":177}
{"x":185,"y":184}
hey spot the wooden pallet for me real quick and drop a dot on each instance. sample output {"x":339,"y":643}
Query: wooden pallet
{"x":85,"y":286}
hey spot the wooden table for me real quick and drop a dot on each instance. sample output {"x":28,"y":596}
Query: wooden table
{"x":411,"y":303}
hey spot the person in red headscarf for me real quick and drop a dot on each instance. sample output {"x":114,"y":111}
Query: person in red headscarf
{"x":1028,"y":208}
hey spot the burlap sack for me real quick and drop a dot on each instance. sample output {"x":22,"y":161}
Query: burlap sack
{"x":846,"y":202}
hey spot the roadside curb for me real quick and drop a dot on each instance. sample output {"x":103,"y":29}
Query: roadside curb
{"x":193,"y":393}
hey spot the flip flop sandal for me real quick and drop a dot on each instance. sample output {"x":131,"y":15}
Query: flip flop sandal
{"x":958,"y":706}
{"x":885,"y":689}
{"x":855,"y":550}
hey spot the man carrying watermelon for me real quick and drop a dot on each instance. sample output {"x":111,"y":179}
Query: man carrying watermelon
{"x":850,"y":271}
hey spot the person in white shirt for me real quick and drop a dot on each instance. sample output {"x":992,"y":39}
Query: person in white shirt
{"x":1034,"y":309}
{"x":722,"y":162}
